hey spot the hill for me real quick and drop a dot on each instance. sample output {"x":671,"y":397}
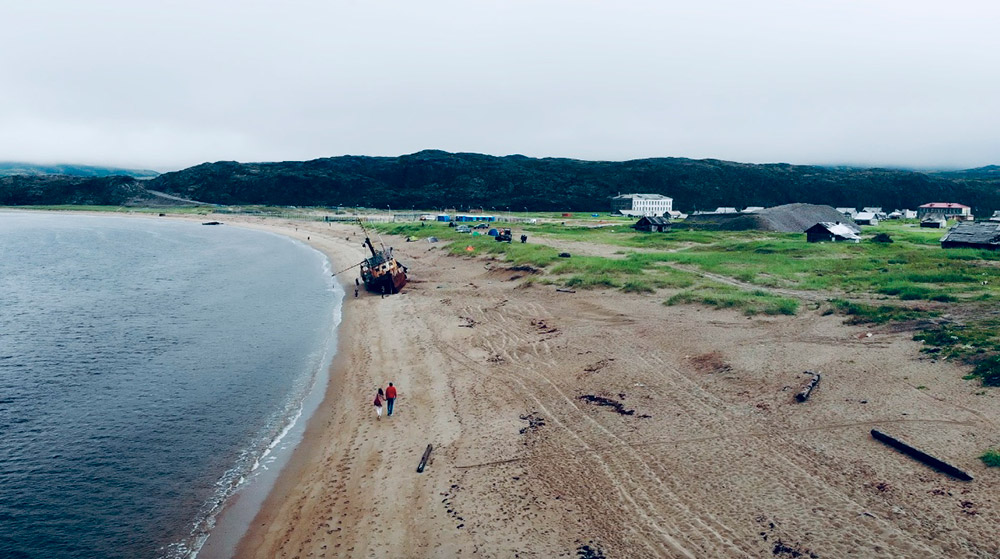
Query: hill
{"x":436,"y":179}
{"x":787,"y":218}
{"x":8,"y":168}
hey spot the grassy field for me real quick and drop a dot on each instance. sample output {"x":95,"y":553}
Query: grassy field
{"x":908,"y":280}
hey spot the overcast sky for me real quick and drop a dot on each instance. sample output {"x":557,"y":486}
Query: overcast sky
{"x":168,"y":84}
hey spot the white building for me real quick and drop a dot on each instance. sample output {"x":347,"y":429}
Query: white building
{"x":640,"y":205}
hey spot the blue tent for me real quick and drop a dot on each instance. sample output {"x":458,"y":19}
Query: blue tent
{"x":493,"y":232}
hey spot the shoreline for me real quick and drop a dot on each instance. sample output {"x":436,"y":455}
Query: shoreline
{"x":251,"y":502}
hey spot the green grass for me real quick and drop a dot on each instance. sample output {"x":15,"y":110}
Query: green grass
{"x":976,"y":344}
{"x":861,"y":313}
{"x":727,"y":297}
{"x":991,"y":458}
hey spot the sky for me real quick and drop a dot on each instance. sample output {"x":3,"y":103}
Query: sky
{"x":167,"y":84}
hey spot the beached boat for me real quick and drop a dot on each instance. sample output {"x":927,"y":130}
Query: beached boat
{"x":381,"y":272}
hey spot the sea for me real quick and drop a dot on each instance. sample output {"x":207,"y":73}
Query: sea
{"x":150,"y":368}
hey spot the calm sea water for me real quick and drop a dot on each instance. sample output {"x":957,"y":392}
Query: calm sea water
{"x":146,"y":367}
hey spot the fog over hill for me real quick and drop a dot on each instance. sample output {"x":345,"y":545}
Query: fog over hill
{"x":435,"y":179}
{"x":9,"y":168}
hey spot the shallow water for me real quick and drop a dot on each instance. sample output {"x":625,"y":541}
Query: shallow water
{"x":145,"y":367}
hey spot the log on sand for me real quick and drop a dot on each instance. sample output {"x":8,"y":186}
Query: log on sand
{"x":803,"y":394}
{"x":921,"y":456}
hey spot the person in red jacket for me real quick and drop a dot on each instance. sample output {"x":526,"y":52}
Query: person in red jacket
{"x":390,"y":398}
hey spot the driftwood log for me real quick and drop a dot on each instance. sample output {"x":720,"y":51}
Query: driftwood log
{"x":921,"y":456}
{"x":803,"y":394}
{"x":560,"y":290}
{"x":423,"y":460}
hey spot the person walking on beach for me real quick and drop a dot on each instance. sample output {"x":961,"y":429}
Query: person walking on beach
{"x":378,"y":403}
{"x":390,"y":398}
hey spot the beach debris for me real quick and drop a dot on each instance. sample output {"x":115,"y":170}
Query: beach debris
{"x":542,"y":327}
{"x":561,"y":290}
{"x":469,"y":323}
{"x":711,"y":362}
{"x":423,"y":459}
{"x":783,"y":549}
{"x":803,"y":394}
{"x":587,"y":552}
{"x":212,"y":223}
{"x":535,"y":422}
{"x":602,"y":401}
{"x":921,"y":456}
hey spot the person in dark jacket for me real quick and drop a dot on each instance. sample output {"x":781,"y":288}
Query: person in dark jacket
{"x":378,"y":403}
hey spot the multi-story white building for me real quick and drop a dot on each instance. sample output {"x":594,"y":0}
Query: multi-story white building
{"x":638,"y":205}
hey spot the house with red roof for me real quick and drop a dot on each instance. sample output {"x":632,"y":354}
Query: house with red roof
{"x":949,"y":210}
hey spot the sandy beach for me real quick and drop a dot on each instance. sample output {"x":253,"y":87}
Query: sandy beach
{"x":604,"y":424}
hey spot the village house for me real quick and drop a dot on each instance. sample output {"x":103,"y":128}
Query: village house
{"x":879,"y":213}
{"x":948,"y":209}
{"x":866,"y":218}
{"x":848,"y":212}
{"x":752,"y":209}
{"x":995,"y":216}
{"x":835,"y":232}
{"x":970,"y":234}
{"x":637,"y":205}
{"x":936,"y":221}
{"x":653,"y":224}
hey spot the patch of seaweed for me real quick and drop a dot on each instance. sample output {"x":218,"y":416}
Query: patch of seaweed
{"x":602,"y":401}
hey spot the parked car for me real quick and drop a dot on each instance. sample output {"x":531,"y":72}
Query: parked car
{"x":482,"y":226}
{"x":462,"y":229}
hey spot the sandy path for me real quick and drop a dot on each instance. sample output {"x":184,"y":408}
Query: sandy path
{"x":717,"y":460}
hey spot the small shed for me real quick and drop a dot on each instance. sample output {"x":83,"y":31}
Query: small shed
{"x":972,"y":234}
{"x":866,"y":218}
{"x":652,"y":224}
{"x":936,"y":221}
{"x":827,"y":232}
{"x":995,"y":216}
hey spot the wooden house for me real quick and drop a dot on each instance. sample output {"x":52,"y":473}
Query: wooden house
{"x":652,"y":224}
{"x":866,"y":218}
{"x":832,"y":232}
{"x":936,"y":221}
{"x":971,"y":234}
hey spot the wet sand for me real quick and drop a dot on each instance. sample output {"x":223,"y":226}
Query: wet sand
{"x":600,"y":423}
